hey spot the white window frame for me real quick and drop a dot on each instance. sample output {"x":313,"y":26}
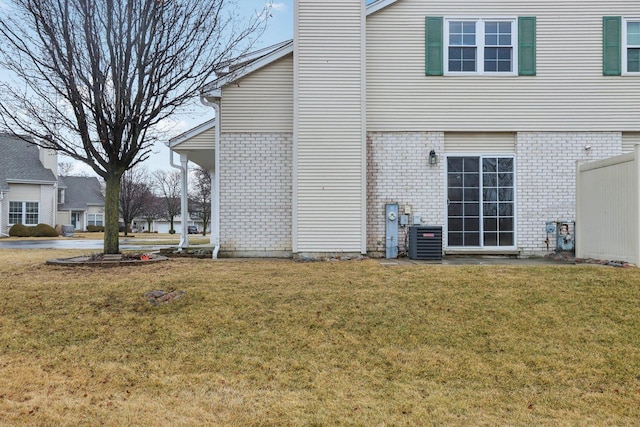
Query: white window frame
{"x":92,"y":219}
{"x":626,"y":46}
{"x":23,"y":212}
{"x":445,"y":231}
{"x":480,"y":46}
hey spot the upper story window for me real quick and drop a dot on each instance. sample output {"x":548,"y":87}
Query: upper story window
{"x":481,"y":46}
{"x":631,"y":43}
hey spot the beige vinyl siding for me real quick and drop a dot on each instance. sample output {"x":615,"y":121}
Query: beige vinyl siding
{"x":63,"y":217}
{"x":480,"y":143}
{"x":24,"y":193}
{"x":261,"y":101}
{"x":569,"y":92}
{"x":630,"y":140}
{"x":203,"y":140}
{"x":329,"y":153}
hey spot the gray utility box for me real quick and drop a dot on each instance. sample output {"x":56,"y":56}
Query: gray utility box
{"x":425,"y":242}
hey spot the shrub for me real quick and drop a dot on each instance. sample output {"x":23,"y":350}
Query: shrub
{"x":19,"y":230}
{"x":40,"y":230}
{"x":43,"y":230}
{"x":95,"y":228}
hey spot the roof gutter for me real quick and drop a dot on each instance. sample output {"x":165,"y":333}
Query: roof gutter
{"x":30,"y":181}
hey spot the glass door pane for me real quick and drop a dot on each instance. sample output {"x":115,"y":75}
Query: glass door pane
{"x":463,"y":177}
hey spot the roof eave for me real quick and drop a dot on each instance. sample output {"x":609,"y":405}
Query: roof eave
{"x":213,"y":89}
{"x":379,"y":4}
{"x":30,"y":181}
{"x":177,"y":140}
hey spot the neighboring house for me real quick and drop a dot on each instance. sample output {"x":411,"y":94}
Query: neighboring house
{"x":163,"y":226}
{"x":153,"y":218}
{"x":80,"y":202}
{"x":27,"y":184}
{"x":470,"y":115}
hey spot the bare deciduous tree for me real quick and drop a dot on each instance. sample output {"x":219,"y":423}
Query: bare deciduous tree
{"x":167,"y":186}
{"x":135,"y":194}
{"x":91,"y":79}
{"x":151,"y":211}
{"x":65,"y":168}
{"x":200,"y":197}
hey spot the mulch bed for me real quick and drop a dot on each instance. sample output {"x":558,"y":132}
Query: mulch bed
{"x":569,"y":257}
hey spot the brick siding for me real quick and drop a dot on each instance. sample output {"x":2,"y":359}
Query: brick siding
{"x":546,"y":178}
{"x":398,"y":172}
{"x":255,"y":192}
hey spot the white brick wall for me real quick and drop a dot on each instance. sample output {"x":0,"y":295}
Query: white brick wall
{"x":256,"y":170}
{"x":255,"y":192}
{"x":546,"y":178}
{"x":398,"y":171}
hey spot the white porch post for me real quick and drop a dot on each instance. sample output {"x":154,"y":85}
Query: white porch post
{"x":184,"y":199}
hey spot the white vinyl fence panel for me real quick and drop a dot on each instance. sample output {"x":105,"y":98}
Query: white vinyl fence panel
{"x":608,"y":209}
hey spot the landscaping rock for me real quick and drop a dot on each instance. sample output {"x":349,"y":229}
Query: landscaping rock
{"x":161,"y":297}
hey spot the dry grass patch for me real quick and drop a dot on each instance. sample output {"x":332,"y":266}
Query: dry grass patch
{"x":284,"y":343}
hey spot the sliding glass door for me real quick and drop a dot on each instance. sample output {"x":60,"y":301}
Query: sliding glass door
{"x":481,"y":201}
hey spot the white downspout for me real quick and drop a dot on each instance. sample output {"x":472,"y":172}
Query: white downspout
{"x":1,"y":217}
{"x":184,"y":235}
{"x":215,"y":181}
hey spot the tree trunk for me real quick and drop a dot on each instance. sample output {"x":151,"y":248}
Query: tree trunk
{"x":111,"y":223}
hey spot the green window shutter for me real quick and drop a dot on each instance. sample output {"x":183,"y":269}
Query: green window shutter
{"x":611,"y":45}
{"x":527,"y":46}
{"x":433,"y":46}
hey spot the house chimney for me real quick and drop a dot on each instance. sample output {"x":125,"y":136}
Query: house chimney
{"x":329,"y":203}
{"x":49,"y":159}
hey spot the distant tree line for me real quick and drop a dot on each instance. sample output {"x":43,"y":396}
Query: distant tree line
{"x":156,"y":196}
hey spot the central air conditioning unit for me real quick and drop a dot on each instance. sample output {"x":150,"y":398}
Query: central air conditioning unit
{"x":425,"y":242}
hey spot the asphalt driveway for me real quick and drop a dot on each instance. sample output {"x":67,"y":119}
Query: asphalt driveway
{"x":125,"y":244}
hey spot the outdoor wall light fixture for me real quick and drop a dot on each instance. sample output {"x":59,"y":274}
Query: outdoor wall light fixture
{"x":433,"y":158}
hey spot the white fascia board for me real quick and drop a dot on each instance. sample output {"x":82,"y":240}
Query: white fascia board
{"x":213,"y":89}
{"x":377,"y":5}
{"x":175,"y":141}
{"x":30,"y":181}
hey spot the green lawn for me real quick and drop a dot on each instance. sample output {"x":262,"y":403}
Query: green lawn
{"x":327,"y":343}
